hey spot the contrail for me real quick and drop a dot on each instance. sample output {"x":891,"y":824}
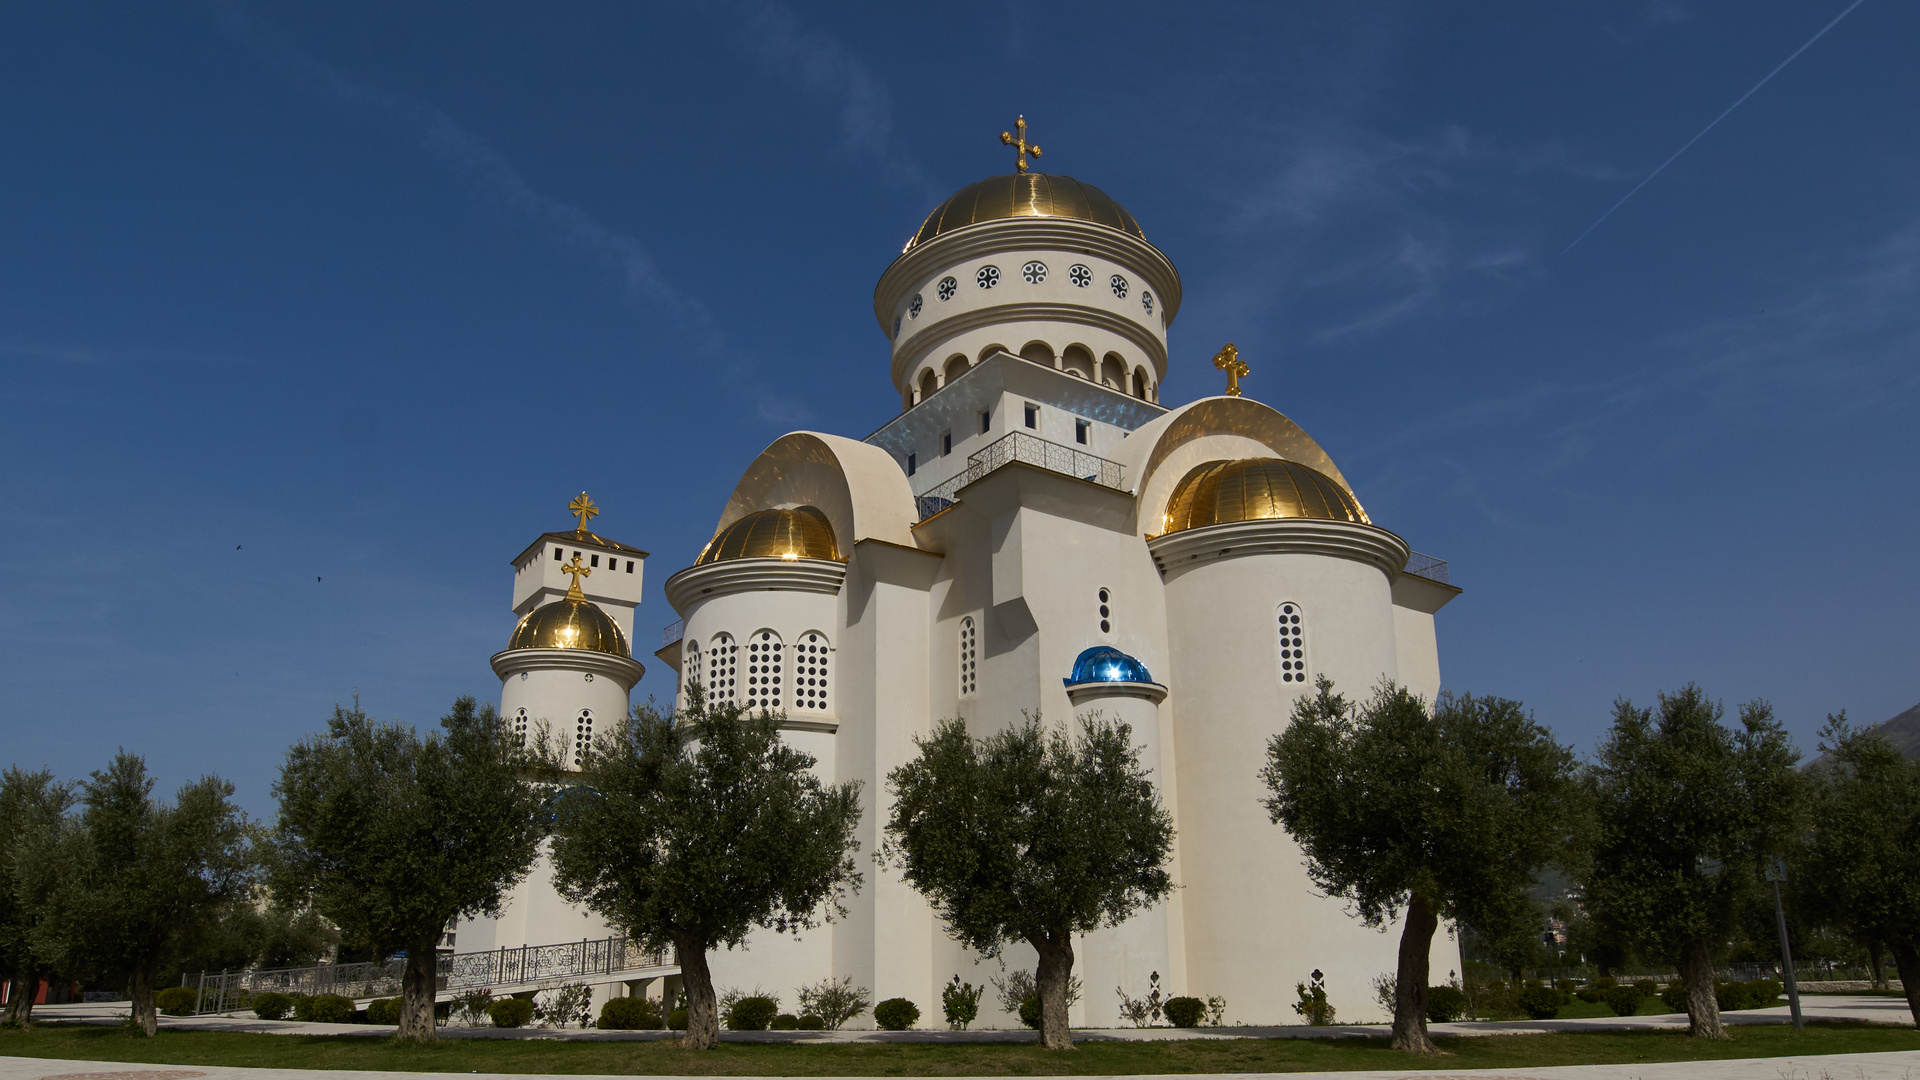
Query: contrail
{"x":1716,"y":120}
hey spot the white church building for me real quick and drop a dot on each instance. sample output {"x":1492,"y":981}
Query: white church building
{"x":1035,"y":531}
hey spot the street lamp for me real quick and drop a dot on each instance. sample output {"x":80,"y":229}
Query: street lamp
{"x":1776,"y":872}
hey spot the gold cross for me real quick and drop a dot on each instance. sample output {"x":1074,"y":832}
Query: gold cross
{"x":578,"y":570}
{"x":1006,"y":137}
{"x":583,"y":509}
{"x":1228,"y":360}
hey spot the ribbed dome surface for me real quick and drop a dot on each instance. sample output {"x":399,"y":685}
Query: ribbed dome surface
{"x":798,"y":533}
{"x":570,"y":624}
{"x":1252,"y":489}
{"x":1025,"y":195}
{"x":1104,"y":663}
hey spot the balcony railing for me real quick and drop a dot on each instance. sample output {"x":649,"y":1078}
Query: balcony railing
{"x":1026,"y":449}
{"x":672,"y":632}
{"x":1428,"y":567}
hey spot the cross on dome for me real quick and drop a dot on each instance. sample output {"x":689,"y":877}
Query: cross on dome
{"x":579,"y":570}
{"x":583,"y":508}
{"x":1228,"y":360}
{"x":1022,"y":147}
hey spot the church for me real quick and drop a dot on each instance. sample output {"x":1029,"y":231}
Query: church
{"x":1036,"y":530}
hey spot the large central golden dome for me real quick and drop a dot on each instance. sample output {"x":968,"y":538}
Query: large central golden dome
{"x":1028,"y":194}
{"x":802,"y":532}
{"x":570,"y":624}
{"x":1252,"y":489}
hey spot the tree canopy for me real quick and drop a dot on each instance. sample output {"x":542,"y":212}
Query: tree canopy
{"x":31,"y":806}
{"x":1447,"y":812}
{"x":391,"y":835}
{"x":692,"y":830}
{"x":1859,"y":870}
{"x":1034,"y":835}
{"x":1686,"y":810}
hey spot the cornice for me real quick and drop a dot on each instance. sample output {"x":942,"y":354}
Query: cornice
{"x":1085,"y":693}
{"x":1374,"y":546}
{"x":1004,"y":234}
{"x":625,"y":671}
{"x":698,"y":583}
{"x":911,"y":348}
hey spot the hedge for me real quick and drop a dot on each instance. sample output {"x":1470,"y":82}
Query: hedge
{"x":510,"y":1012}
{"x":1184,"y":1012}
{"x":272,"y":1006}
{"x":629,"y":1014}
{"x":896,"y":1014}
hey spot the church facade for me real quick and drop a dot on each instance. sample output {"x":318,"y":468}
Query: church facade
{"x":1035,"y":531}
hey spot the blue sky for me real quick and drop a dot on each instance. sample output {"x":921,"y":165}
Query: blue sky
{"x":312,"y":316}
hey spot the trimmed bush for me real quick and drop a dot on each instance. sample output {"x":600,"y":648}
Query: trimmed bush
{"x":1184,"y":1012}
{"x":1538,"y":1002}
{"x":175,"y":1000}
{"x":383,"y":1011}
{"x":1604,"y":983}
{"x":785,"y":1022}
{"x":1647,"y":987}
{"x":1445,"y":1004}
{"x":1734,"y":996}
{"x":677,"y":1019}
{"x":328,"y":1009}
{"x":510,"y":1012}
{"x":810,"y":1022}
{"x":629,"y":1014}
{"x":272,"y":1006}
{"x":896,"y":1014}
{"x":1623,"y":1000}
{"x":1675,"y":996}
{"x":752,"y":1013}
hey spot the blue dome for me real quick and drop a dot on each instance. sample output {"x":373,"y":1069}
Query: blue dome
{"x":1104,"y":663}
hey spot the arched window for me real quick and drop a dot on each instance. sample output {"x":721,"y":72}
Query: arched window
{"x":969,"y":656}
{"x":929,"y":382}
{"x":520,"y":726}
{"x":1140,"y":383}
{"x":996,"y":347}
{"x":1077,"y":360}
{"x":1106,"y":611}
{"x":1293,"y":645}
{"x":956,"y":366}
{"x":582,"y":735}
{"x":722,"y":668}
{"x":766,"y":663}
{"x":1038,"y":352}
{"x":1113,"y":372}
{"x":812,"y":658}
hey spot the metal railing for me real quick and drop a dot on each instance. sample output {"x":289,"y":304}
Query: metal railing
{"x":672,"y":632}
{"x":1029,"y":450}
{"x":227,"y":991}
{"x":1428,"y":567}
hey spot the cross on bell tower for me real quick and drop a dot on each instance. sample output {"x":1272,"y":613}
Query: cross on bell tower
{"x":579,"y":570}
{"x":1023,"y":148}
{"x":1228,"y":360}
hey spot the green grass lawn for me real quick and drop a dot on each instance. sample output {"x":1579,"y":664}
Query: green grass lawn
{"x":175,"y":1047}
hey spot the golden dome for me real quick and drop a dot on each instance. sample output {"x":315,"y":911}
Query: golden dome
{"x":1025,"y":195}
{"x":1252,"y":489}
{"x":570,"y":624}
{"x":799,"y":533}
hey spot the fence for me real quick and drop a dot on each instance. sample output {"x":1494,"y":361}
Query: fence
{"x":1029,"y":450}
{"x":1428,"y":567}
{"x":672,"y":633}
{"x":227,"y":991}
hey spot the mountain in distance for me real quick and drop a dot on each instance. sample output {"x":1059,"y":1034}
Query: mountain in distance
{"x":1903,"y":731}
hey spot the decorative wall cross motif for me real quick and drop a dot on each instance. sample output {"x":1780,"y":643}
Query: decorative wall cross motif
{"x":1023,"y":148}
{"x":578,"y":570}
{"x":583,"y":509}
{"x":1228,"y":360}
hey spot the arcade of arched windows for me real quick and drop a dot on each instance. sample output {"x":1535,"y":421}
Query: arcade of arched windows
{"x":767,"y":672}
{"x":1111,"y":371}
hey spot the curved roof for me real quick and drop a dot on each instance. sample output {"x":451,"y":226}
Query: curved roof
{"x":859,"y":487}
{"x":1104,"y":663}
{"x":570,"y":624}
{"x":1028,"y":194}
{"x":1253,"y":489}
{"x":802,"y":532}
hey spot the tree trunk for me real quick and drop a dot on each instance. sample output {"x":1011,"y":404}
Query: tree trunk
{"x":696,"y":981}
{"x":1703,"y":1010}
{"x":417,"y":990}
{"x":1052,"y":980}
{"x":140,"y":990}
{"x":20,"y":993}
{"x":1410,"y":980}
{"x":1873,"y":961}
{"x":1906,"y":960}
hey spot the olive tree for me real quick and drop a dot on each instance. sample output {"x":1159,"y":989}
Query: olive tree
{"x":692,"y":829}
{"x":31,"y":806}
{"x":133,"y":881}
{"x":1033,"y":835}
{"x":1446,"y":812}
{"x":391,"y":835}
{"x":1859,"y":870}
{"x":1686,"y":810}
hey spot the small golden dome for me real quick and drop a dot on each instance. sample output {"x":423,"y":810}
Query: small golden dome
{"x":1252,"y":489}
{"x":799,"y":533}
{"x":570,"y":624}
{"x":1025,"y":195}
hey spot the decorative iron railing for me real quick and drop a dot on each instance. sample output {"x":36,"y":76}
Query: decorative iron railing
{"x":227,"y":991}
{"x":672,"y":633}
{"x":1428,"y":567}
{"x":1026,"y":449}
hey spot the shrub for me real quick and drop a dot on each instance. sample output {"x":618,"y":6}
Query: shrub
{"x":810,"y":1022}
{"x":785,"y":1022}
{"x":329,"y":1009}
{"x":834,"y":1001}
{"x":1647,"y":987}
{"x":473,"y":1005}
{"x":383,"y":1011}
{"x":1313,"y":1005}
{"x":175,"y":1000}
{"x":1538,"y":1002}
{"x":1604,"y":983}
{"x":1675,"y":996}
{"x":629,"y":1014}
{"x":272,"y":1006}
{"x":1623,"y":1000}
{"x":1589,"y":994}
{"x":570,"y":1003}
{"x":1734,"y":996}
{"x":1184,"y":1012}
{"x":1445,"y":1004}
{"x":961,"y":1003}
{"x":511,"y":1012}
{"x":752,"y":1013}
{"x":896,"y":1014}
{"x":1030,"y":1011}
{"x":677,"y":1019}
